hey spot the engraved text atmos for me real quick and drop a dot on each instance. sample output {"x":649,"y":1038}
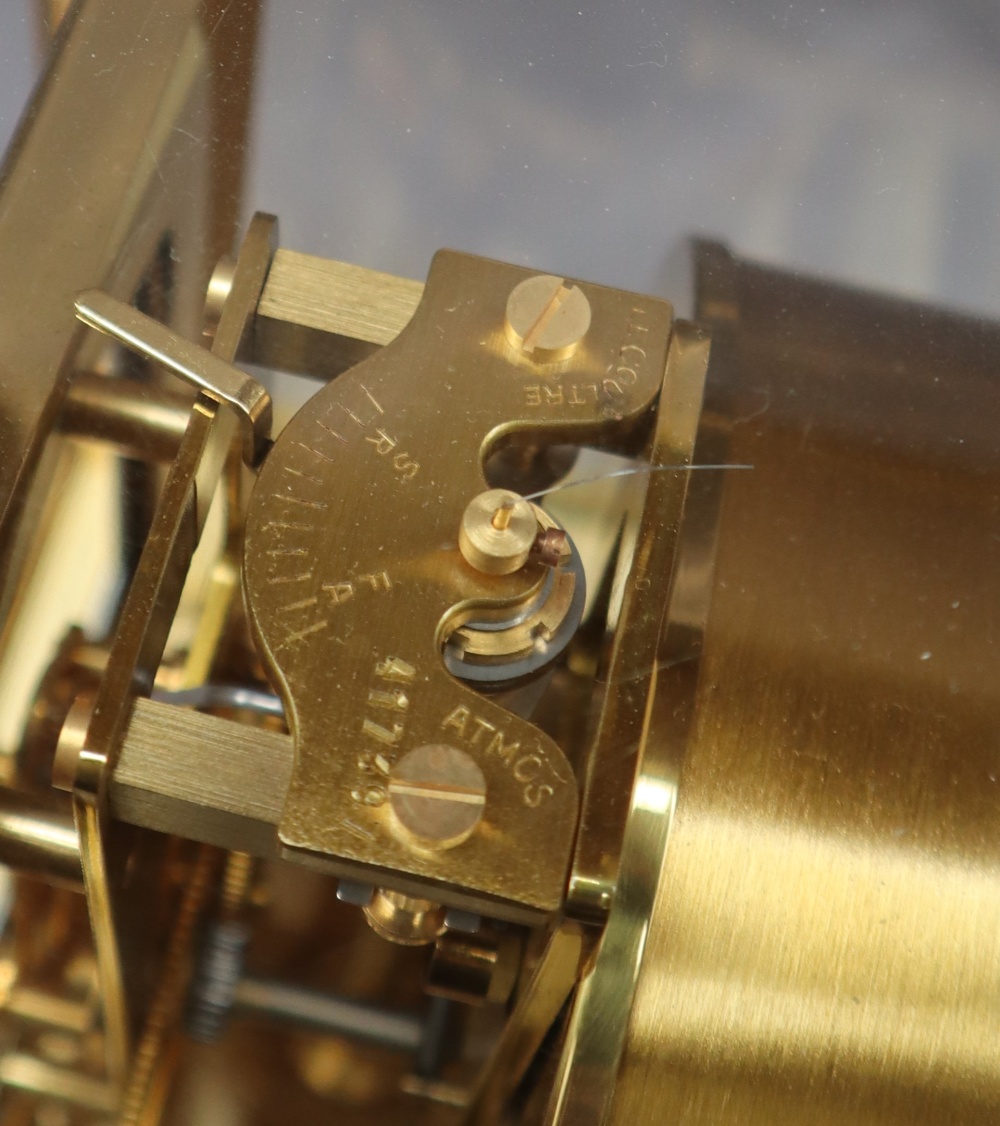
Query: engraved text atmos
{"x":529,"y":767}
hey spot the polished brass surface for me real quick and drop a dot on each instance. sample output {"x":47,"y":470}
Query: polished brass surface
{"x":532,"y":631}
{"x":183,"y":506}
{"x":233,"y":316}
{"x":71,"y":743}
{"x":403,"y":918}
{"x":344,"y":620}
{"x":140,"y":420}
{"x":194,"y":364}
{"x":220,"y":285}
{"x":550,"y":984}
{"x":97,"y":887}
{"x":89,"y":199}
{"x":476,"y":968}
{"x":113,"y":189}
{"x":38,"y":837}
{"x":221,"y":783}
{"x":35,"y":1007}
{"x":638,"y":1009}
{"x":123,"y":205}
{"x":49,"y":14}
{"x":231,"y":34}
{"x":610,"y":783}
{"x":627,"y":877}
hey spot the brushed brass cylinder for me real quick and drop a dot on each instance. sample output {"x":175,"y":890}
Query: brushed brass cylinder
{"x":824,"y":943}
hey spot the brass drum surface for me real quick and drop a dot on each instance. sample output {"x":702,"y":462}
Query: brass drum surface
{"x":825,"y":942}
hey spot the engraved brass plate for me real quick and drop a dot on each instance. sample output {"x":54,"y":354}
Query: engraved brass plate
{"x":353,"y":574}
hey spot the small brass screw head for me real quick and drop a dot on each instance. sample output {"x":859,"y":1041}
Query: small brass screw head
{"x":546,"y":319}
{"x":437,"y":795}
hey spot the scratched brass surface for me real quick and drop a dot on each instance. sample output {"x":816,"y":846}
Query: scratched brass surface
{"x":353,"y":575}
{"x":203,"y":777}
{"x":825,"y":942}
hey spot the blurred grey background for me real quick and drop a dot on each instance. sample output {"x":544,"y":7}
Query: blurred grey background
{"x":855,"y":139}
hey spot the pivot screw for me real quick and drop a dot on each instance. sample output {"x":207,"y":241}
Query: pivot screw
{"x":437,"y":795}
{"x":498,"y":531}
{"x":546,"y":319}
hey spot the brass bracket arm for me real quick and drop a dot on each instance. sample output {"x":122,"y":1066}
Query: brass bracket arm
{"x":192,"y":363}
